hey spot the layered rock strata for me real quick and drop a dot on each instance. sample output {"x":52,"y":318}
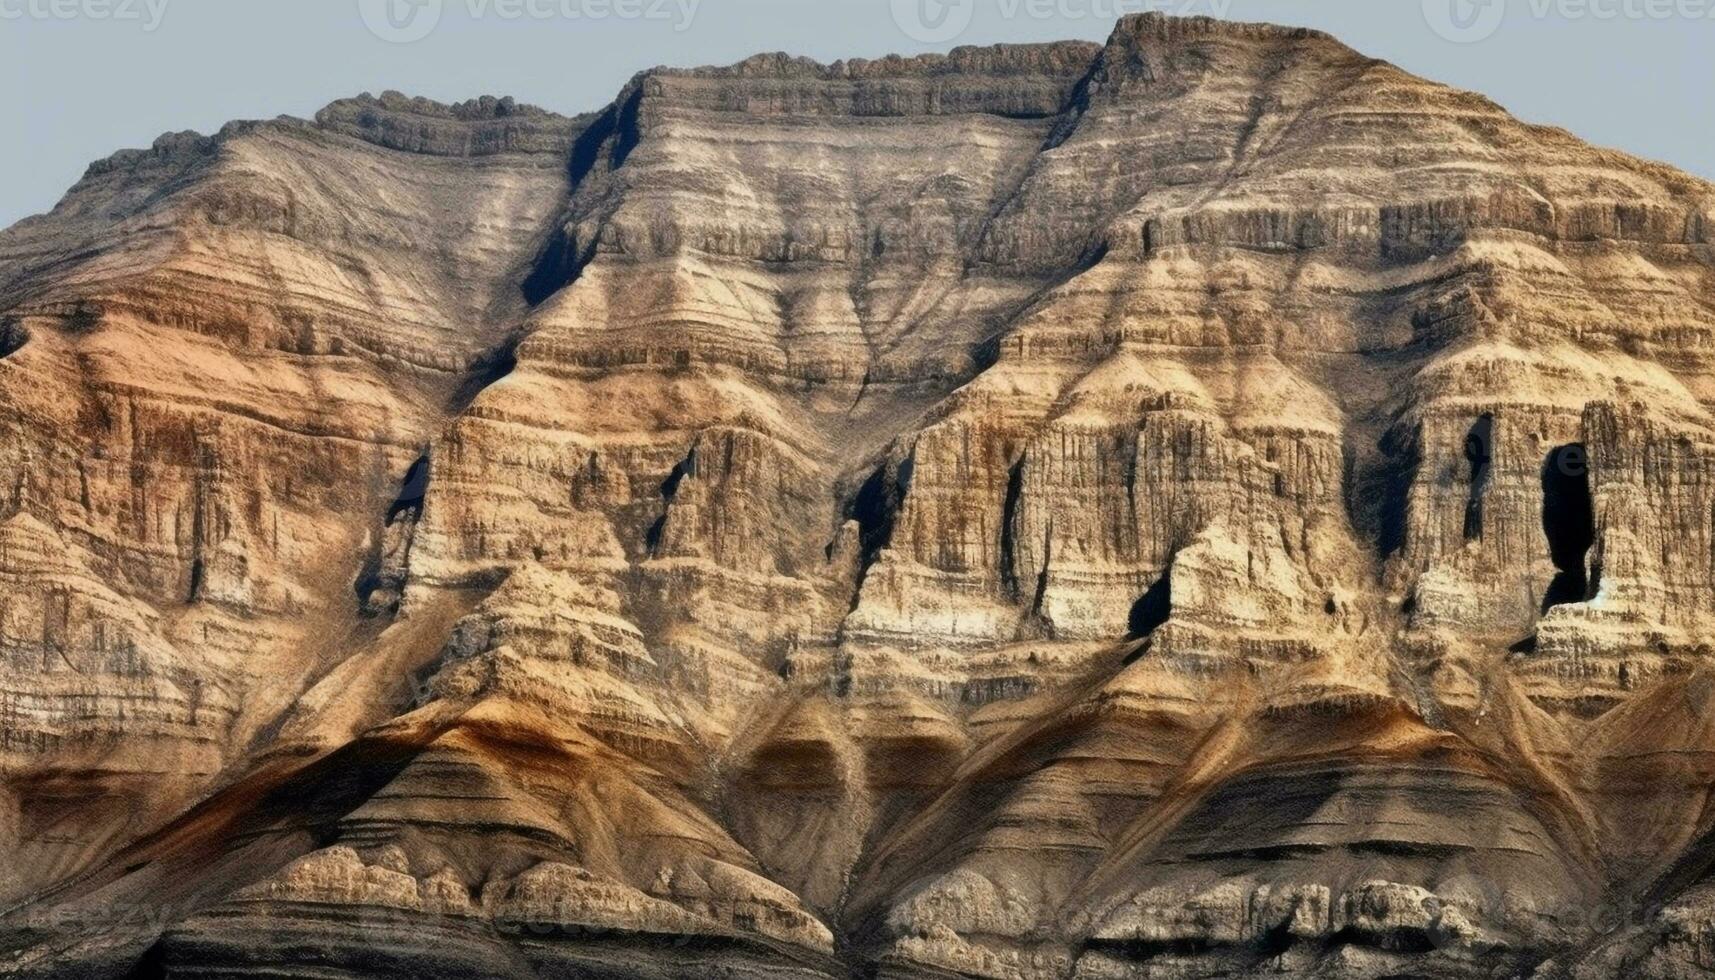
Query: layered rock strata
{"x":1208,"y":504}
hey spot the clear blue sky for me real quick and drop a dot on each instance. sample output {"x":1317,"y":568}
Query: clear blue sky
{"x":86,"y":77}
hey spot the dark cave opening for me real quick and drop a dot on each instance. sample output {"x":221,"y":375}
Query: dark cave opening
{"x":1479,"y":452}
{"x":876,"y":507}
{"x":13,"y":337}
{"x":412,"y":491}
{"x":1568,"y":521}
{"x":198,"y":574}
{"x":1153,"y":608}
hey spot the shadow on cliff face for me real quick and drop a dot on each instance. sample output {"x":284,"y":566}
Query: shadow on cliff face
{"x":876,"y":507}
{"x":412,"y":491}
{"x":613,"y":135}
{"x":1479,"y":452}
{"x":13,"y":337}
{"x":1153,"y":608}
{"x":489,"y":368}
{"x":233,"y":839}
{"x":1568,"y":521}
{"x":558,"y":266}
{"x":383,"y":570}
{"x":1379,"y":485}
{"x":686,"y":467}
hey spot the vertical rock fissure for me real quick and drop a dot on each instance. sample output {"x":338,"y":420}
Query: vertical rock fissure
{"x":1568,"y":522}
{"x":876,"y":508}
{"x":1479,"y":453}
{"x":686,"y":467}
{"x":873,"y":515}
{"x":586,"y":149}
{"x":1041,"y":596}
{"x":205,"y":463}
{"x":1009,"y":531}
{"x":554,"y":269}
{"x":628,"y":128}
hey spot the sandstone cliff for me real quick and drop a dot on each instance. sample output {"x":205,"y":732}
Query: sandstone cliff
{"x":1210,"y":504}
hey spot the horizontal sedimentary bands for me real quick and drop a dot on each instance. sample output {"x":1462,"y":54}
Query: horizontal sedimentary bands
{"x":1208,"y":504}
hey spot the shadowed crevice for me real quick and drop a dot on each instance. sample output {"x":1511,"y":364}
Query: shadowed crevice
{"x":617,"y":130}
{"x":1479,"y":453}
{"x":368,"y":580}
{"x":206,"y":465}
{"x":557,"y":267}
{"x":686,"y":467}
{"x":412,"y":491}
{"x":614,"y":134}
{"x":628,"y":128}
{"x":490,"y":368}
{"x":1009,"y":531}
{"x":13,"y":337}
{"x":1152,"y":609}
{"x":381,"y":579}
{"x":586,"y":149}
{"x":1040,"y":599}
{"x":1378,"y":487}
{"x":876,"y":507}
{"x":1568,"y":522}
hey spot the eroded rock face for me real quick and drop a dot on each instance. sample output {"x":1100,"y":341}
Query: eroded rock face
{"x":1210,"y":504}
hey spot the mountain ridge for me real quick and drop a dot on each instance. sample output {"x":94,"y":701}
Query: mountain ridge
{"x":1206,"y":504}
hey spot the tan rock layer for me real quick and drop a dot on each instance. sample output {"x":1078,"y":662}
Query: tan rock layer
{"x":1210,"y":504}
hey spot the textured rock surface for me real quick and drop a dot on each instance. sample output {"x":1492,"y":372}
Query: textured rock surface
{"x":1206,"y":505}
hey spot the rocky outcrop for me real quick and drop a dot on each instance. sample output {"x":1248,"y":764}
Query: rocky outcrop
{"x":1208,"y":504}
